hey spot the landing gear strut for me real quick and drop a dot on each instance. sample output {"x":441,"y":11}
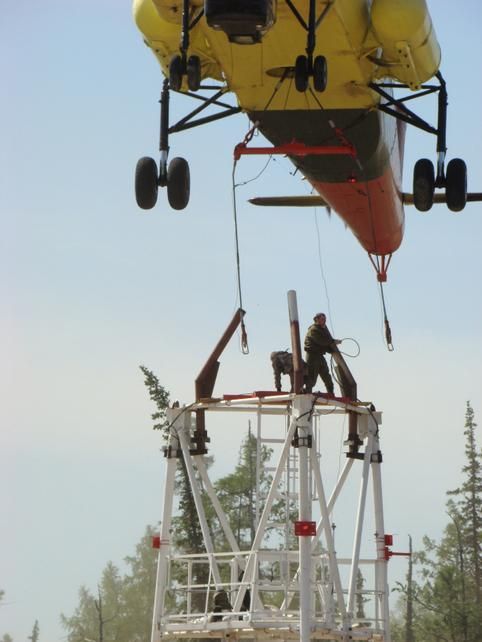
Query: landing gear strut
{"x":175,"y":175}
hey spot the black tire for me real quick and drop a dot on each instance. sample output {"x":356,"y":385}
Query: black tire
{"x":320,"y":73}
{"x":175,"y":73}
{"x":178,"y":183}
{"x":146,"y":183}
{"x":302,"y":73}
{"x":193,"y":71}
{"x":423,"y":184}
{"x":456,"y":185}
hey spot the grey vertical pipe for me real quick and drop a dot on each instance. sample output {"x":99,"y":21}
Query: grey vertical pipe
{"x":302,"y":416}
{"x":295,"y":342}
{"x":165,"y":532}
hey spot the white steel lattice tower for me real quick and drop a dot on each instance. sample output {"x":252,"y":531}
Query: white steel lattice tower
{"x":291,"y":583}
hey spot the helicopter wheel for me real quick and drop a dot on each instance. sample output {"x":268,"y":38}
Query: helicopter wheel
{"x":193,"y":71}
{"x":423,"y":184}
{"x":302,"y":73}
{"x":320,"y":73}
{"x":175,"y":73}
{"x":146,"y":184}
{"x":456,"y":185}
{"x":178,"y":183}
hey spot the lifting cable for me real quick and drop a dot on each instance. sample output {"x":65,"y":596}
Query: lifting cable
{"x":323,"y":277}
{"x":244,"y":335}
{"x":320,"y":260}
{"x":247,"y":138}
{"x":381,"y":271}
{"x":388,"y":331}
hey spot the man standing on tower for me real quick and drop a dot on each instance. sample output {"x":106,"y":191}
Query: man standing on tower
{"x":318,"y":342}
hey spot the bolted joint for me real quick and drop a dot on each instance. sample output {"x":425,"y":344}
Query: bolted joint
{"x":172,"y":453}
{"x":298,"y":441}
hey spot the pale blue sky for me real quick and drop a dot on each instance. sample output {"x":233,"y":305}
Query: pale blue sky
{"x":92,"y":287}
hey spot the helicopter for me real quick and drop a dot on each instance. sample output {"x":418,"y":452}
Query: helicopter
{"x":328,"y":83}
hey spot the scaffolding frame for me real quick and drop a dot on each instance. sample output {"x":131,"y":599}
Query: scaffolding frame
{"x":314,"y":597}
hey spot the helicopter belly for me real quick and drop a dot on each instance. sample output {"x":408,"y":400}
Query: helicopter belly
{"x":372,"y":210}
{"x":363,"y":189}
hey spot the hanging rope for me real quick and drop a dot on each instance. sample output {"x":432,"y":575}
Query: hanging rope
{"x":346,"y":354}
{"x":388,"y":331}
{"x":320,"y":261}
{"x":381,"y":270}
{"x":244,"y":335}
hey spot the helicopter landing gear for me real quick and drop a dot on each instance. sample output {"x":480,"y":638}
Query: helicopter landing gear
{"x":317,"y":69}
{"x":309,"y":66}
{"x":423,"y":184}
{"x":302,"y":73}
{"x":146,"y":183}
{"x":193,"y":72}
{"x":320,"y":73}
{"x":454,"y":181}
{"x":456,"y":185}
{"x":180,"y":67}
{"x":174,"y":176}
{"x":178,"y":183}
{"x":176,"y":72}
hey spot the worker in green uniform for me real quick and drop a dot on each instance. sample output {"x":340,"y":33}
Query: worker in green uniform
{"x":318,"y":342}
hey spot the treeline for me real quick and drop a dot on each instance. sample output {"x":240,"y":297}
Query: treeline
{"x":441,"y":600}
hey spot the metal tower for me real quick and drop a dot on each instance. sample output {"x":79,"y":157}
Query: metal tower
{"x":293,"y":582}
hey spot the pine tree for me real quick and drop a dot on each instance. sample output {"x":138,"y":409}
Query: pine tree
{"x":34,"y":636}
{"x":359,"y":597}
{"x":236,"y":491}
{"x":138,"y":590}
{"x":160,"y":396}
{"x":466,"y":512}
{"x":444,"y":604}
{"x":448,"y":596}
{"x":98,"y":617}
{"x":186,"y":529}
{"x":82,"y":624}
{"x":409,"y":634}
